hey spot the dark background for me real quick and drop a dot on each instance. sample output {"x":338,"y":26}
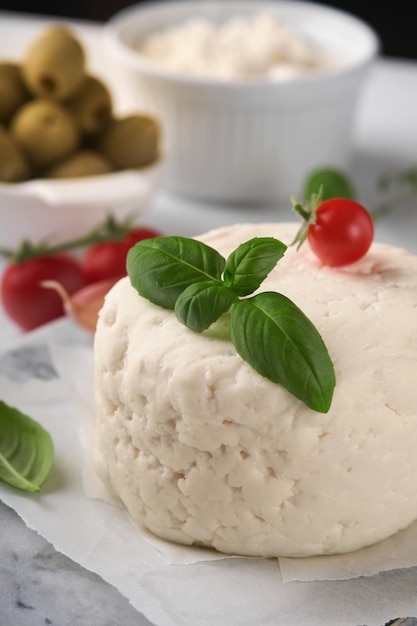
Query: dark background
{"x":394,"y":21}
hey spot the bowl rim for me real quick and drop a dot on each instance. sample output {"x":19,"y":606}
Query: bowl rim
{"x":114,"y":186}
{"x":129,"y":15}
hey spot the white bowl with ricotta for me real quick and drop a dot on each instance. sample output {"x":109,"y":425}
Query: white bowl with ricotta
{"x":251,"y":95}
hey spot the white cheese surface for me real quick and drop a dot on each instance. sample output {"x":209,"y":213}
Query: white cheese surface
{"x":203,"y":450}
{"x":262,"y":46}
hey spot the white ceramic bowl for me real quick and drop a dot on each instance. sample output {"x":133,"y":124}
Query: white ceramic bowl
{"x":60,"y":210}
{"x":236,"y":140}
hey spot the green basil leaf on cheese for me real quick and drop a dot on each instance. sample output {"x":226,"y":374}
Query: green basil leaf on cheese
{"x":161,"y":268}
{"x":275,"y":337}
{"x":202,"y":304}
{"x":248,"y":266}
{"x":268,"y":330}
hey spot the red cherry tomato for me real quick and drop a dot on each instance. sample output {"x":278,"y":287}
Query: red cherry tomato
{"x":108,"y":260}
{"x":343,"y":232}
{"x":24,"y":299}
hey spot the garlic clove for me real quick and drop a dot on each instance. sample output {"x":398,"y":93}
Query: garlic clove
{"x":84,"y":305}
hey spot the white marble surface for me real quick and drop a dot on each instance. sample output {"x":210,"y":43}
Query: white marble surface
{"x":41,"y":586}
{"x":37,"y":584}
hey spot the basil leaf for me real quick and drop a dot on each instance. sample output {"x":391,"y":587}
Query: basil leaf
{"x":202,"y":304}
{"x":26,"y":450}
{"x":248,"y":265}
{"x":162,"y":267}
{"x":275,"y":337}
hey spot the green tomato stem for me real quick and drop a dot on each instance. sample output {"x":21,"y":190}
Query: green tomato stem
{"x":307,"y":212}
{"x":109,"y":230}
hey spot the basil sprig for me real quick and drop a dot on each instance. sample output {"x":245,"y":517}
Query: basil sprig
{"x":26,"y":450}
{"x":268,"y":330}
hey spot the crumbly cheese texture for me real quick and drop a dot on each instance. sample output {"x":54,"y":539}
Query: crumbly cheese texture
{"x":262,"y":46}
{"x":203,"y":450}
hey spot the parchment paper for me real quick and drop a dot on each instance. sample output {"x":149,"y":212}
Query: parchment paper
{"x":177,"y":585}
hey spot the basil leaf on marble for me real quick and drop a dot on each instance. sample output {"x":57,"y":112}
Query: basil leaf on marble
{"x":162,"y":267}
{"x":26,"y":450}
{"x":248,"y":266}
{"x":275,"y":337}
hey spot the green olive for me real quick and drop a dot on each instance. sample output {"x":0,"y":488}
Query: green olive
{"x":130,"y":142}
{"x":46,"y":131}
{"x":14,"y":166}
{"x":82,"y":163}
{"x":91,"y":106}
{"x":54,"y":64}
{"x":13,"y":92}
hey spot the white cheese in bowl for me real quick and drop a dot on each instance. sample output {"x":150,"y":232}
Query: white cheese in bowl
{"x":262,"y":46}
{"x":202,"y":450}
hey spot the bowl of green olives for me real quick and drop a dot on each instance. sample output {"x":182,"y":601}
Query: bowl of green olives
{"x":67,"y":159}
{"x":252,"y":95}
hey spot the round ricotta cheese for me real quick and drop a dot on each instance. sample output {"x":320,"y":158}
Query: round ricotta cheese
{"x":202,"y":450}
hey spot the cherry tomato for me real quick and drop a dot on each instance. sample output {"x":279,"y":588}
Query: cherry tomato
{"x":343,"y":232}
{"x":24,"y":299}
{"x":108,"y":260}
